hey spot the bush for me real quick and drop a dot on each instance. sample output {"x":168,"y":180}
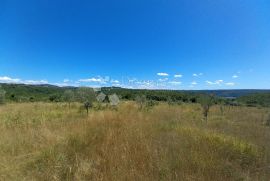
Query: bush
{"x":268,"y":120}
{"x":69,"y":96}
{"x":206,"y":102}
{"x":87,"y":96}
{"x":54,"y":98}
{"x":141,"y":101}
{"x":2,"y":96}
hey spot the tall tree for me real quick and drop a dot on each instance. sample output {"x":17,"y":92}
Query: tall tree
{"x":206,"y":102}
{"x":141,"y":101}
{"x":87,"y":96}
{"x":69,"y":97}
{"x":2,"y":95}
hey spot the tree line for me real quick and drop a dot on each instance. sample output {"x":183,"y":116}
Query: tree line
{"x":49,"y":93}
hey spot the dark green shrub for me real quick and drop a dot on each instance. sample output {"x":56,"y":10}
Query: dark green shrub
{"x":141,"y":101}
{"x":86,"y":96}
{"x":69,"y":96}
{"x":2,"y":96}
{"x":206,"y":102}
{"x":268,"y":120}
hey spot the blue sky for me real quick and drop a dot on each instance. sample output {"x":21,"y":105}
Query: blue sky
{"x":155,"y":44}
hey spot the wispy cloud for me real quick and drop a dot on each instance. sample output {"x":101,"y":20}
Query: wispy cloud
{"x":163,"y":74}
{"x":62,"y":84}
{"x":220,"y":83}
{"x":230,"y":84}
{"x":197,"y":75}
{"x":178,"y":75}
{"x":98,"y":81}
{"x":163,"y":80}
{"x":175,"y":82}
{"x":90,"y":80}
{"x":210,"y":83}
{"x":35,"y":82}
{"x":115,"y":81}
{"x":6,"y":79}
{"x":235,"y":76}
{"x":66,"y":80}
{"x":116,"y":85}
{"x":146,"y":84}
{"x":217,"y":82}
{"x":94,"y":80}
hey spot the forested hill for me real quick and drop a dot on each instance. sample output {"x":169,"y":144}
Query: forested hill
{"x":21,"y":92}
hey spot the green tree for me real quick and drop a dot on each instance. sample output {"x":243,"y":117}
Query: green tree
{"x":141,"y":101}
{"x":268,"y":120}
{"x":206,"y":102}
{"x":86,"y":96}
{"x":69,"y":97}
{"x":2,"y":96}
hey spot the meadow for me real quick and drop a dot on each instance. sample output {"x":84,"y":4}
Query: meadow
{"x":55,"y":141}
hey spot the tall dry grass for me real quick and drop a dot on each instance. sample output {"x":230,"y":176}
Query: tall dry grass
{"x":41,"y":141}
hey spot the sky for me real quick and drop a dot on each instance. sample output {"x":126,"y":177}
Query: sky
{"x":148,"y":44}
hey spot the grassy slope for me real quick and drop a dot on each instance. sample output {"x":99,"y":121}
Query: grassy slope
{"x":41,"y":141}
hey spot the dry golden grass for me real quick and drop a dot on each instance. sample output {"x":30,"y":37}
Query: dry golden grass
{"x":42,"y":141}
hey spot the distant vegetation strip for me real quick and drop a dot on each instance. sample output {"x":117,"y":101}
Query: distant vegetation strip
{"x":50,"y":93}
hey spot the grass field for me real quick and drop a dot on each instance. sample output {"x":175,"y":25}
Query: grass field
{"x":43,"y":141}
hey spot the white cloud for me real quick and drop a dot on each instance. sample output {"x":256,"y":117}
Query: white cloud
{"x":163,"y":74}
{"x":132,"y":80}
{"x":197,"y":75}
{"x":178,"y":76}
{"x":163,"y":80}
{"x":66,"y":80}
{"x":230,"y":83}
{"x":194,"y":83}
{"x":146,"y":84}
{"x":115,"y":81}
{"x":35,"y":82}
{"x":175,"y":82}
{"x":90,"y":80}
{"x":94,"y":80}
{"x":235,"y":76}
{"x":217,"y":82}
{"x":62,"y":84}
{"x":116,"y":85}
{"x":6,"y":79}
{"x":209,"y":82}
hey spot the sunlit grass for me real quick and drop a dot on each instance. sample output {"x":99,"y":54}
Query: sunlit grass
{"x":42,"y":141}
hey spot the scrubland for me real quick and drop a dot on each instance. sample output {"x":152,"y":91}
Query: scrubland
{"x":52,"y":141}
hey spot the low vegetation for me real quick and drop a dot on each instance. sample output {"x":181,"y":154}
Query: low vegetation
{"x":206,"y":103}
{"x":50,"y":93}
{"x":2,"y":96}
{"x":253,"y":100}
{"x":55,"y":141}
